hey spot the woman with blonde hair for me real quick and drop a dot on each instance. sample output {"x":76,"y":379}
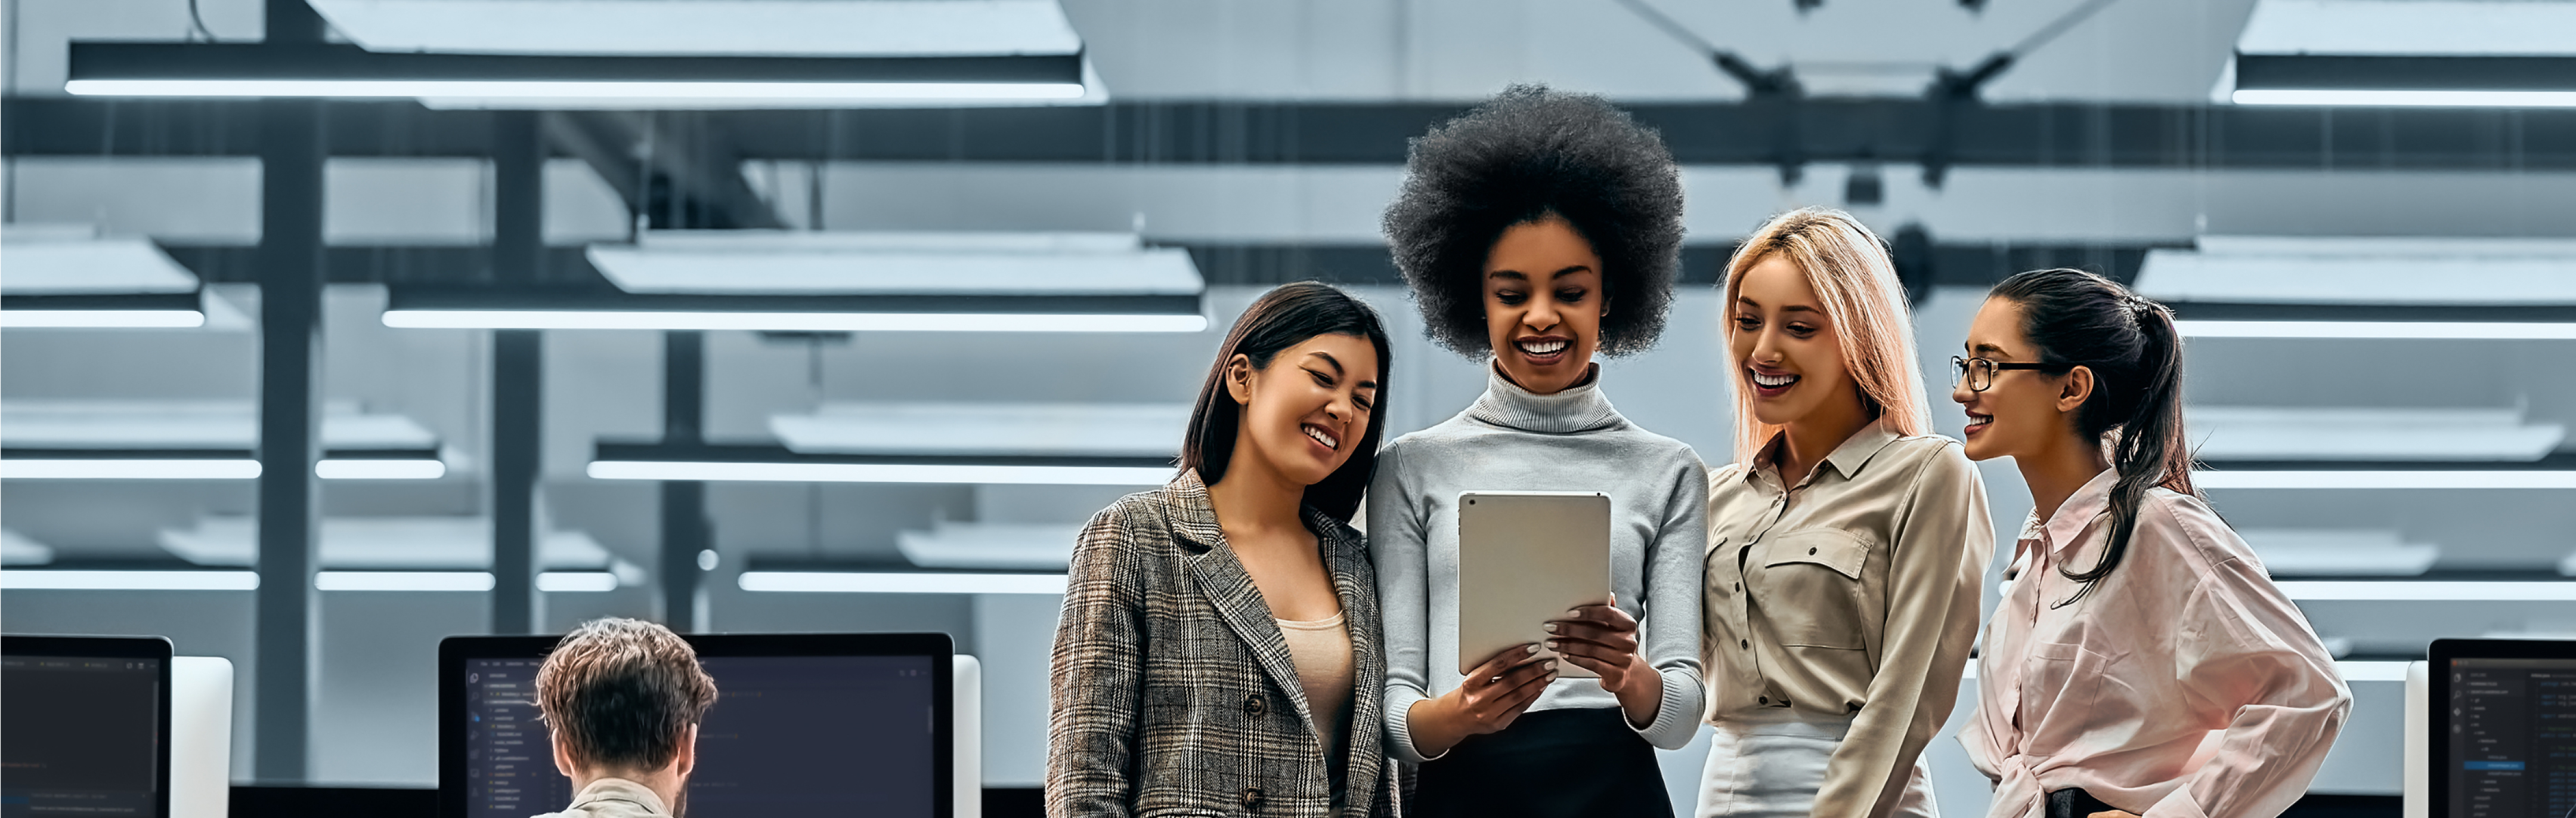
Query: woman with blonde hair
{"x":1846,"y":543}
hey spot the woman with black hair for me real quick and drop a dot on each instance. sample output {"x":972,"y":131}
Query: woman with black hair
{"x":2141,"y":662}
{"x":1218,"y":651}
{"x":1535,"y":231}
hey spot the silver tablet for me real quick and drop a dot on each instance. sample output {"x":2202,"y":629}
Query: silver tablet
{"x":1526,"y":557}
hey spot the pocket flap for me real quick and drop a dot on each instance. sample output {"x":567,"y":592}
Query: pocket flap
{"x":1838,"y":550}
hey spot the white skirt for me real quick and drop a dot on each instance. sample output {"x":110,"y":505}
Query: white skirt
{"x":1770,"y":763}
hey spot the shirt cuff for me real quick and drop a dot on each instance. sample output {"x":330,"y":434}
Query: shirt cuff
{"x":2177,"y":804}
{"x":1677,"y":716}
{"x":1399,"y":725}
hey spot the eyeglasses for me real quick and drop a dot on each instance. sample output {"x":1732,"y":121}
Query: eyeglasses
{"x":1980,"y":373}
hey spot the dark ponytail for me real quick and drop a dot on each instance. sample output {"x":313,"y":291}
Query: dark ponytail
{"x":2081,"y":319}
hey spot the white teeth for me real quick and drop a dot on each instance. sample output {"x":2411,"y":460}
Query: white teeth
{"x":1773,"y":380}
{"x":1543,"y":347}
{"x":1321,"y":437}
{"x":1980,"y":420}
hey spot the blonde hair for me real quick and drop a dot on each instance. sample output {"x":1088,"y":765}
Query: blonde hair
{"x":1850,"y":271}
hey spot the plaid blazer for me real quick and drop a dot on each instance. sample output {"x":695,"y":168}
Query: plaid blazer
{"x":1173,"y":690}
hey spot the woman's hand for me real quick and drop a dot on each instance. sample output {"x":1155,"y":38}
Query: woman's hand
{"x":1491,"y":697}
{"x":1603,"y":639}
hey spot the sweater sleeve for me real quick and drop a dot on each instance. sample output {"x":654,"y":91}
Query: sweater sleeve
{"x":1396,"y":545}
{"x":1937,"y":566}
{"x":1670,"y":610}
{"x":1098,"y":676}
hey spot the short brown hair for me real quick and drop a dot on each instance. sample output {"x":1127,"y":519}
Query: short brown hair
{"x":623,"y":692}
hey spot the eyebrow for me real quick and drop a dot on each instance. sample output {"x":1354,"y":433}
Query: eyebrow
{"x":1517,"y":275}
{"x":1989,"y":349}
{"x":1791,"y":308}
{"x":1337,"y":367}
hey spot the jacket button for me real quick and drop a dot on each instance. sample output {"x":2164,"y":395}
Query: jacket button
{"x":1811,"y":551}
{"x":1747,"y":645}
{"x":1251,"y":797}
{"x":1739,"y":586}
{"x":1765,"y":700}
{"x":1253,"y":705}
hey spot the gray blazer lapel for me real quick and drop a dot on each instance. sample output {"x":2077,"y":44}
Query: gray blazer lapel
{"x":1344,"y":558}
{"x":1238,"y":601}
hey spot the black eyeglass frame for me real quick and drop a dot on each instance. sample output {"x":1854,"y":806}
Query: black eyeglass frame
{"x":1959,"y":370}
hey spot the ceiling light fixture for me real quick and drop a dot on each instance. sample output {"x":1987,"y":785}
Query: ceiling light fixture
{"x":825,"y":472}
{"x":2427,"y":330}
{"x":859,"y":582}
{"x":2386,"y":479}
{"x":2500,"y":81}
{"x":792,"y":321}
{"x":62,"y":580}
{"x":344,"y":71}
{"x":402,"y":581}
{"x":2423,"y":591}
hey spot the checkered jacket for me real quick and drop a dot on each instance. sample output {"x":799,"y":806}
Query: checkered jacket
{"x":1173,"y":690}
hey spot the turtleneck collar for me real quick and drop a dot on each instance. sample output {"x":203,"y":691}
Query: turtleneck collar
{"x":1579,"y":408}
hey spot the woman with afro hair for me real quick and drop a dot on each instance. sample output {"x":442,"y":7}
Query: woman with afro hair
{"x":1536,"y":231}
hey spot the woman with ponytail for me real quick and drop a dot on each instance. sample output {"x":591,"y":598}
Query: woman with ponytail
{"x":2141,"y":662}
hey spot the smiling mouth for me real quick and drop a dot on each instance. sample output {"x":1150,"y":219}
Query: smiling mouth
{"x":1542,"y":347}
{"x":1317,"y":434}
{"x":1771,"y":381}
{"x":1976,"y":420}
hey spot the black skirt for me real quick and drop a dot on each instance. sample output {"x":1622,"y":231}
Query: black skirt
{"x":2074,"y":802}
{"x":1578,"y":762}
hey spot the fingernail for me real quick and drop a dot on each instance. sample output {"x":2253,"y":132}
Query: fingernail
{"x":1533,"y":648}
{"x":1574,"y":614}
{"x":1551,"y":627}
{"x":1551,"y":644}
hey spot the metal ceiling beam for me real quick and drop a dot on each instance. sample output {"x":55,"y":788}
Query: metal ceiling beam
{"x":1886,"y":131}
{"x":676,"y":170}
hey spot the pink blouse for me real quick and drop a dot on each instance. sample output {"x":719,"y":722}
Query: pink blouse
{"x":2184,"y":685}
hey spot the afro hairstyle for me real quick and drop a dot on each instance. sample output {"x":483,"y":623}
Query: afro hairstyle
{"x":1528,"y":154}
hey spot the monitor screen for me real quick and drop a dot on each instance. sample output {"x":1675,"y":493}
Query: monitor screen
{"x":83,"y":734}
{"x":834,"y":735}
{"x":2512,"y":742}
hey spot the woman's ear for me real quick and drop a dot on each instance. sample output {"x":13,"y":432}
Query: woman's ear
{"x":1238,"y":378}
{"x":2077,"y":386}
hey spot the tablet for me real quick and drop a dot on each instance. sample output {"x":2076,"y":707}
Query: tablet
{"x":1526,"y":557}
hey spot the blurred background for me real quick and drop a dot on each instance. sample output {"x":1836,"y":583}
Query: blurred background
{"x":337,"y":327}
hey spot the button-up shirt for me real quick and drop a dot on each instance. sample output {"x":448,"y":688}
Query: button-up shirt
{"x":2119,"y":692}
{"x":613,"y":798}
{"x":1853,"y":594}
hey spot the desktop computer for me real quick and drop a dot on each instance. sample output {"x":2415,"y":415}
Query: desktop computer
{"x":87,"y":721}
{"x":803,"y":724}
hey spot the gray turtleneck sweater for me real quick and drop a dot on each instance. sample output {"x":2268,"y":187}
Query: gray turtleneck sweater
{"x":1512,"y":440}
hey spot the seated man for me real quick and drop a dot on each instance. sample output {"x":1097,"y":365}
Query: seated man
{"x":623,"y":699}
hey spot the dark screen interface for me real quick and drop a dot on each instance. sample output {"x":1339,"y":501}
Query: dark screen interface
{"x":79,"y":735}
{"x":2513,"y":738}
{"x":832,"y":735}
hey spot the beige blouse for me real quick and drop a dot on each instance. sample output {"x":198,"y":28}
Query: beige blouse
{"x":1856,"y":595}
{"x":1322,"y":651}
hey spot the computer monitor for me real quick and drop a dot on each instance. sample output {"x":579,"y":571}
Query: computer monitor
{"x":86,"y":724}
{"x":2502,"y":742}
{"x":815,"y":724}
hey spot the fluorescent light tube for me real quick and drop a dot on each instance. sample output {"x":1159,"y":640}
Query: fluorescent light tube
{"x":2371,"y":671}
{"x":2386,"y":479}
{"x":19,"y":580}
{"x":561,"y":582}
{"x":791,"y":321}
{"x":402,"y":581}
{"x":2421,"y":591}
{"x":102,"y":319}
{"x":568,"y":89}
{"x":879,"y":473}
{"x":2495,"y":330}
{"x":130,"y":469}
{"x":852,"y":582}
{"x":379,"y":469}
{"x":2405,"y":98}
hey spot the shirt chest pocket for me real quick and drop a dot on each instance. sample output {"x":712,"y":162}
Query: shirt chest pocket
{"x":1811,"y":583}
